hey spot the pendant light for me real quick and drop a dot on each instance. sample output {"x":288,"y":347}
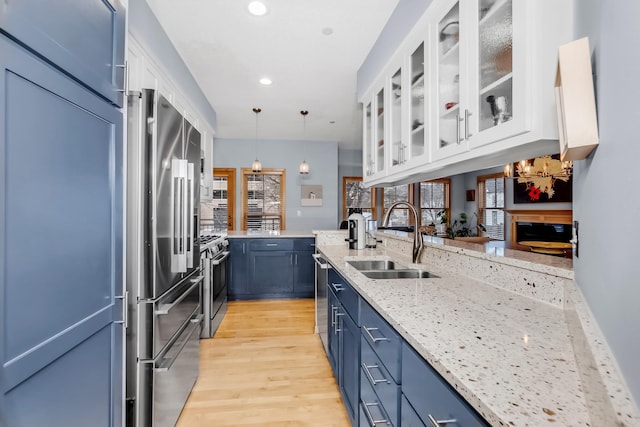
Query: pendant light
{"x":256,"y":166}
{"x":304,"y":166}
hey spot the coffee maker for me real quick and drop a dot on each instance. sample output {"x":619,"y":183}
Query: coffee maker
{"x":356,"y":231}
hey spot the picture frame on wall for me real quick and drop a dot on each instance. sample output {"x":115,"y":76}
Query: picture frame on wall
{"x":542,"y":180}
{"x":311,"y":195}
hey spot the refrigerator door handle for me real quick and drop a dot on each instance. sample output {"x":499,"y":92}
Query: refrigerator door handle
{"x":185,"y":195}
{"x":190,"y":212}
{"x":178,"y":184}
{"x":166,"y":308}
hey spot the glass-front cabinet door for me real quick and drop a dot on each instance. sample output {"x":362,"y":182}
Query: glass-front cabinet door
{"x":369,"y":146}
{"x":498,"y":76}
{"x":396,"y":120}
{"x":447,"y":31}
{"x":417,"y":112}
{"x":379,"y":135}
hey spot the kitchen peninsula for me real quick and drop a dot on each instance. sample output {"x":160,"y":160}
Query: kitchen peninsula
{"x":509,"y":331}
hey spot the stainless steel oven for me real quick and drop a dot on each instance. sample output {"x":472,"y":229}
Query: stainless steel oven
{"x":322,"y":328}
{"x":214,"y":297}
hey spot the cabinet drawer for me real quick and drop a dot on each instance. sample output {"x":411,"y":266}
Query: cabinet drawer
{"x":304,"y":244}
{"x":346,"y":294}
{"x":384,"y":340}
{"x":373,"y":413}
{"x":380,"y":380}
{"x":271,"y":245}
{"x":431,"y":396}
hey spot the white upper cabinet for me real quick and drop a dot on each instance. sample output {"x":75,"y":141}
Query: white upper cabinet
{"x":474,"y":88}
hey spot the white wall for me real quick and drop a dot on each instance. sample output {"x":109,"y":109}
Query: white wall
{"x":322,"y":157}
{"x":606,"y":201}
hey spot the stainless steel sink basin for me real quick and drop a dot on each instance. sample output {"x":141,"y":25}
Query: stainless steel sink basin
{"x":409,"y":273}
{"x":376,"y":264}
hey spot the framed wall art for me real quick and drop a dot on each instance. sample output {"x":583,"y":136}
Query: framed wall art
{"x":544,"y":179}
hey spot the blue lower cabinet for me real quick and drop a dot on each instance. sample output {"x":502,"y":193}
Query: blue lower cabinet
{"x":349,"y":361}
{"x":375,"y":376}
{"x":409,"y":416}
{"x":333,"y":333}
{"x":432,"y":398}
{"x":372,"y":411}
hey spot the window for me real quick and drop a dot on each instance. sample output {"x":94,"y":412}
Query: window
{"x":491,"y":204}
{"x":400,"y":215}
{"x":223,"y":203}
{"x":434,"y":198}
{"x":263,"y":199}
{"x":357,"y":198}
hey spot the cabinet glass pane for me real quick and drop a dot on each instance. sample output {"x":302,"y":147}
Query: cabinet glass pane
{"x":380,"y":131}
{"x":369,"y":141}
{"x":396,"y":118}
{"x":495,"y":57}
{"x":417,"y":101}
{"x":449,"y":76}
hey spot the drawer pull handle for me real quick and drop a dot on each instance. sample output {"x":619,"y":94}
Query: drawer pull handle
{"x":337,"y":329}
{"x":375,"y":382}
{"x":272,"y":244}
{"x":333,"y":314}
{"x":372,"y":422}
{"x":374,"y":339}
{"x":440,"y":423}
{"x":337,"y":287}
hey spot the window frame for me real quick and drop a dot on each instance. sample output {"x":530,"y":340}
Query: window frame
{"x":447,"y":197}
{"x":481,"y":180}
{"x":244,"y":194}
{"x":345,"y":181}
{"x":410,"y":191}
{"x":230,"y":174}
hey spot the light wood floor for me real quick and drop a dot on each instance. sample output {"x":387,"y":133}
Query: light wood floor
{"x":265,"y":367}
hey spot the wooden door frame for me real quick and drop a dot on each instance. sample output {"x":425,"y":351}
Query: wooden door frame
{"x":230,"y":174}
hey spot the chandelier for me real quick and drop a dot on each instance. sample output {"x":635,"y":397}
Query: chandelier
{"x":540,"y":167}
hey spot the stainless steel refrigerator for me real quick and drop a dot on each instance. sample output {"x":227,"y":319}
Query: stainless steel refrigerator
{"x":163,"y":273}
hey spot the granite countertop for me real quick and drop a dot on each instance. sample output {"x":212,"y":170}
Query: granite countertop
{"x":508,"y":355}
{"x":269,"y":234}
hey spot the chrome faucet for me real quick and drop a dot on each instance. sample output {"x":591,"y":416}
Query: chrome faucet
{"x":417,"y":237}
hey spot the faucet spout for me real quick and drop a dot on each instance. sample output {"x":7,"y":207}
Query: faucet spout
{"x":418,"y":245}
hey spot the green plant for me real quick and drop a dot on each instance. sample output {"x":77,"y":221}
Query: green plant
{"x":442,"y":215}
{"x":460,"y":228}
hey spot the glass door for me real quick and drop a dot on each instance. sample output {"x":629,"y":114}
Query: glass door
{"x":417,"y":111}
{"x":369,"y":142}
{"x":495,"y":63}
{"x":379,"y":132}
{"x":397,"y":147}
{"x":447,"y":74}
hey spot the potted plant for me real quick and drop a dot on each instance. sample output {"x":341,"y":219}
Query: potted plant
{"x":441,"y":228}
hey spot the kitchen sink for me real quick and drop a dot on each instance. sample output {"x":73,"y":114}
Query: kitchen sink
{"x":376,"y":264}
{"x":408,"y":273}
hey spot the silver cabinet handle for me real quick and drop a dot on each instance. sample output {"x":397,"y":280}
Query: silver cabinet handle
{"x":336,"y":328}
{"x":366,"y":368}
{"x":333,"y":315}
{"x":318,"y":259}
{"x":458,"y":120}
{"x":337,"y":287}
{"x":374,"y":339}
{"x":272,"y":244}
{"x":439,"y":423}
{"x":125,"y":309}
{"x":125,"y":77}
{"x":367,"y":412}
{"x":467,"y":113}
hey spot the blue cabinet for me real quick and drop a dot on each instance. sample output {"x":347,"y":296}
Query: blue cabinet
{"x":83,"y":38}
{"x":344,"y":341}
{"x":61,"y":192}
{"x":238,"y":271}
{"x":271,"y":268}
{"x":431,"y":397}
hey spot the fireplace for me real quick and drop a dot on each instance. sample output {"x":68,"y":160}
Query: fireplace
{"x":540,"y":225}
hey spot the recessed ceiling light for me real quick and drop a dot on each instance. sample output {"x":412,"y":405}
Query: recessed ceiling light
{"x":265,"y":81}
{"x":257,"y":8}
{"x":327,"y":31}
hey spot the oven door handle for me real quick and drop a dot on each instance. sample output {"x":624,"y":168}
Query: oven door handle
{"x":218,"y":261}
{"x":166,"y":308}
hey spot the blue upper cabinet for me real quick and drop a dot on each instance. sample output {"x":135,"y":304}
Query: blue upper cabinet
{"x":83,"y":38}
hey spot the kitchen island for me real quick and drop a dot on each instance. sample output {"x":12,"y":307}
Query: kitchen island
{"x":511,"y":334}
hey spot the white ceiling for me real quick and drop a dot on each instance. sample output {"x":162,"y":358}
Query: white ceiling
{"x":228,"y":50}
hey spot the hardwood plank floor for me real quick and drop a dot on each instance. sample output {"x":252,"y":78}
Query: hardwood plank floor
{"x":265,"y":367}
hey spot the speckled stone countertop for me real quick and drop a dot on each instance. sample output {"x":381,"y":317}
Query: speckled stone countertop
{"x":269,"y":234}
{"x":508,"y":355}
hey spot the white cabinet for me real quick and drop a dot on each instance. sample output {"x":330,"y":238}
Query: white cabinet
{"x":485,"y":95}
